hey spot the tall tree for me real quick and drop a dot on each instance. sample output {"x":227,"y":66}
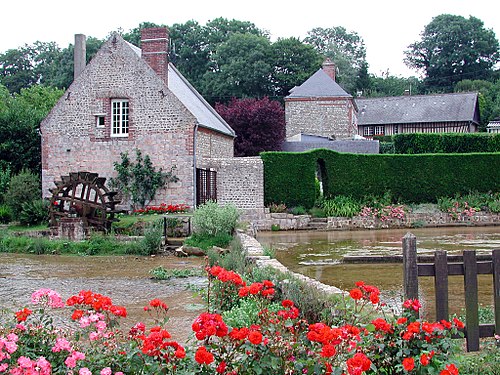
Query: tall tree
{"x":242,"y":68}
{"x":453,"y":48}
{"x":346,"y":49}
{"x":294,"y":62}
{"x":259,"y":124}
{"x":19,"y":122}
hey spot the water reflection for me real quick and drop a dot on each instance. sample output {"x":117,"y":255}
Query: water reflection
{"x":319,"y":255}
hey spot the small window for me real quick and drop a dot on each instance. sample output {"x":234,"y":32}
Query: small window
{"x":395,"y":129}
{"x":100,"y":121}
{"x":379,"y":130}
{"x":368,"y":131}
{"x":120,"y":117}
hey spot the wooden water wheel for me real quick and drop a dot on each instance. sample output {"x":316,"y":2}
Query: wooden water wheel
{"x":83,"y":194}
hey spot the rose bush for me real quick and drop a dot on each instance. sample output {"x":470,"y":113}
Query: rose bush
{"x":369,"y":341}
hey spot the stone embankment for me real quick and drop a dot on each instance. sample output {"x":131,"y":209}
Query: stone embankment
{"x":267,"y":221}
{"x":255,"y":254}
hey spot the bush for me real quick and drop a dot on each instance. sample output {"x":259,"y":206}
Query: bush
{"x":5,"y":214}
{"x":23,"y":188}
{"x":34,"y":213}
{"x":211,"y":219}
{"x":205,"y":241}
{"x":289,"y":177}
{"x":421,"y":143}
{"x":151,"y":242}
{"x":277,"y":208}
{"x":299,"y":210}
{"x":341,"y":206}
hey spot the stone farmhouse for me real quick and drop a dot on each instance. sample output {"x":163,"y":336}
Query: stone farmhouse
{"x":129,"y":98}
{"x":321,"y":109}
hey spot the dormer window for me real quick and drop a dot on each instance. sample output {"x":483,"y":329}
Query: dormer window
{"x":119,"y":117}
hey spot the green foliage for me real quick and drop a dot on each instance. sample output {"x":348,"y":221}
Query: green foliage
{"x":386,"y":148}
{"x":277,"y":208}
{"x":452,"y":48}
{"x":212,"y":219}
{"x":5,"y":177}
{"x":246,"y":313}
{"x":205,"y":241}
{"x":275,"y":227}
{"x":19,"y":123}
{"x":299,"y":210}
{"x":484,"y":362}
{"x":23,"y":188}
{"x":161,"y":273}
{"x":234,"y":259}
{"x":472,"y":200}
{"x":5,"y":214}
{"x":153,"y":234}
{"x":421,"y":143}
{"x":139,"y":181}
{"x":409,"y":178}
{"x":341,"y":206}
{"x":34,"y":213}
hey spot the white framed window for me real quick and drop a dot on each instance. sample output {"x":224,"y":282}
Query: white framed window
{"x":380,"y":130}
{"x":395,"y":129}
{"x":119,"y":117}
{"x":100,"y":121}
{"x":368,"y":131}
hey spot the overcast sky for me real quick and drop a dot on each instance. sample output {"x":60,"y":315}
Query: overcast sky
{"x":386,"y":26}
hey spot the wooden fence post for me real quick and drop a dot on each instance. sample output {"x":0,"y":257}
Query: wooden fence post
{"x":471,"y":300}
{"x":410,"y":268}
{"x":495,"y":262}
{"x":441,"y":285}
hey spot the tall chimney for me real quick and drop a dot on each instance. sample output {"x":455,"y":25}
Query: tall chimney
{"x":329,"y":68}
{"x":79,"y":55}
{"x":154,"y":45}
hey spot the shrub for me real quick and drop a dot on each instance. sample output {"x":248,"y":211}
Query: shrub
{"x":299,"y":210}
{"x":5,"y":177}
{"x":161,"y":273}
{"x":420,"y":143}
{"x":23,"y":188}
{"x":211,"y":219}
{"x":205,"y":241}
{"x":34,"y":212}
{"x":153,"y":235}
{"x":5,"y":214}
{"x":341,"y":206}
{"x":277,"y":208}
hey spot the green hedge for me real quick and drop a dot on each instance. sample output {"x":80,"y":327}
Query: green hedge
{"x":426,"y":143}
{"x":289,"y":177}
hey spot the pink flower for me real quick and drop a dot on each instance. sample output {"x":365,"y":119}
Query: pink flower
{"x":106,"y":371}
{"x":47,"y":297}
{"x":3,"y":367}
{"x":84,"y":371}
{"x":25,"y":362}
{"x":44,"y":365}
{"x":61,"y":344}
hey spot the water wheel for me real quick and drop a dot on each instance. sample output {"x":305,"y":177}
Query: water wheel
{"x":84,"y":195}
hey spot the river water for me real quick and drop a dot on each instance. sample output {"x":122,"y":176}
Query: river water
{"x":125,"y":279}
{"x":319,"y":255}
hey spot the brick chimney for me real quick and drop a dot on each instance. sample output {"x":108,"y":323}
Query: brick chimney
{"x":329,"y":68}
{"x":154,"y":45}
{"x":79,"y":55}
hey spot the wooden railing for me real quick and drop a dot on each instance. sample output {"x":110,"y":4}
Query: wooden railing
{"x":441,"y":268}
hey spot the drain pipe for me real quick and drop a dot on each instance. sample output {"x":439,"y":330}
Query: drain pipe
{"x":195,"y":136}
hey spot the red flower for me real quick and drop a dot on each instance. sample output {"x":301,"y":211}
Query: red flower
{"x":412,"y":304}
{"x":23,"y":314}
{"x":328,"y":351}
{"x":381,"y":325}
{"x":458,"y":323}
{"x":202,"y":356}
{"x":356,"y":294}
{"x":77,"y":314}
{"x":358,"y":363}
{"x":409,"y":364}
{"x":158,"y":303}
{"x":118,"y":311}
{"x":287,"y":303}
{"x":255,"y":337}
{"x":374,"y":298}
{"x":425,"y":359}
{"x":451,"y":369}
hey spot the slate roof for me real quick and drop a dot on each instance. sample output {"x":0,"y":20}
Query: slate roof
{"x":417,"y":109}
{"x":319,"y":85}
{"x":205,"y":114}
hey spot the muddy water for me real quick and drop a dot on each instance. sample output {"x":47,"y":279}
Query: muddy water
{"x":319,"y":255}
{"x":125,"y":279}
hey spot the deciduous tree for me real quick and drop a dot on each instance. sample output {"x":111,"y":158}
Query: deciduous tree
{"x":259,"y":124}
{"x":453,"y":48}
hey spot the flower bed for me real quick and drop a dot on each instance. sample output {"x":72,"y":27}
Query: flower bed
{"x":162,"y":209}
{"x":279,"y":341}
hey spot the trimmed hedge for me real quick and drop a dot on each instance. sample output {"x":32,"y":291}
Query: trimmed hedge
{"x":289,"y":177}
{"x":427,"y":143}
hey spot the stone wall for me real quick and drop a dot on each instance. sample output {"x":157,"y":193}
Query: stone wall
{"x":323,"y":117}
{"x":239,"y":181}
{"x":266,"y":221}
{"x":210,"y":143}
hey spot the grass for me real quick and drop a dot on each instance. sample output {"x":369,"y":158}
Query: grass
{"x":161,"y":273}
